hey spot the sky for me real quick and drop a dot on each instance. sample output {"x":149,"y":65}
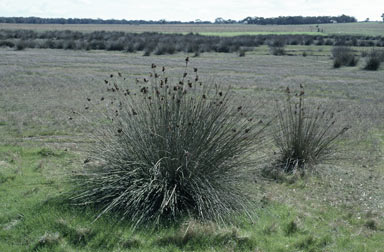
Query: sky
{"x":181,"y":10}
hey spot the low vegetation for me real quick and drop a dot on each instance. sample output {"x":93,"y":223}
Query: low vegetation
{"x":374,"y":59}
{"x":343,"y":56}
{"x":277,"y":47}
{"x":167,"y":43}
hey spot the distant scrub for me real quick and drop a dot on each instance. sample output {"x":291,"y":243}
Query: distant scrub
{"x":374,"y":59}
{"x":343,"y":56}
{"x":159,"y":43}
{"x":277,"y":47}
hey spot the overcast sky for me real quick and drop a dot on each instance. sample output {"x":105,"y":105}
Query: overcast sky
{"x":190,"y":10}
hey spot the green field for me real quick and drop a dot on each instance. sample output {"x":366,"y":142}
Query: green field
{"x":368,"y":29}
{"x":338,"y":209}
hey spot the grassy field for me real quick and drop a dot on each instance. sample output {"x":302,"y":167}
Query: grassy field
{"x":369,"y":29}
{"x":338,"y":209}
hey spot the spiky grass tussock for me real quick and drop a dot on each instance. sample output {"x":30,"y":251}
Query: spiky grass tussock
{"x":304,"y":135}
{"x":169,"y":149}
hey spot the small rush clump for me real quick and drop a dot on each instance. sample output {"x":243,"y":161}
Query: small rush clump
{"x":304,"y":135}
{"x":168,"y":149}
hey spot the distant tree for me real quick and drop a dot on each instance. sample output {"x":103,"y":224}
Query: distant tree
{"x":219,"y":20}
{"x":382,"y":16}
{"x":367,"y":20}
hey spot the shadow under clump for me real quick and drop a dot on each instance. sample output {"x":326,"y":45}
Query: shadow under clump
{"x":204,"y":235}
{"x":48,"y":240}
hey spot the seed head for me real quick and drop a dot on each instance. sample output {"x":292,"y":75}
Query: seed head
{"x":287,"y":90}
{"x":144,"y":90}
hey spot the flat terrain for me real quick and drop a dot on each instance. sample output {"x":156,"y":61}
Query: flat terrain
{"x":339,"y":209}
{"x":369,"y":29}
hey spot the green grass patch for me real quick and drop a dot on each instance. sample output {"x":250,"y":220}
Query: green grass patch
{"x":251,"y":33}
{"x":33,"y":218}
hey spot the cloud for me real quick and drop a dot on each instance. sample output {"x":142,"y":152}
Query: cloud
{"x":191,"y":10}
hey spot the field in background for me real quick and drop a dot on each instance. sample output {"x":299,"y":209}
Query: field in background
{"x":341,"y":209}
{"x":369,"y":29}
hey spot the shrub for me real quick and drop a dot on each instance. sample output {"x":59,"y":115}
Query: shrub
{"x":69,"y":45}
{"x":170,"y":150}
{"x":276,"y":47}
{"x":115,"y":46}
{"x":165,"y":48}
{"x":7,"y":43}
{"x":374,"y":59}
{"x":20,"y":45}
{"x":304,"y":135}
{"x":147,"y":52}
{"x":343,"y":56}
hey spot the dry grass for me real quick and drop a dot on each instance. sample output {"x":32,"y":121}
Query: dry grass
{"x":39,"y":89}
{"x":341,"y":209}
{"x":371,"y":29}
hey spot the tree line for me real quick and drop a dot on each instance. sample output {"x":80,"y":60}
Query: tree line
{"x":282,"y":20}
{"x":299,"y":20}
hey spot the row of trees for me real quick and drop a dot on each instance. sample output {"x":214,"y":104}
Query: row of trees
{"x":299,"y":20}
{"x":248,"y":20}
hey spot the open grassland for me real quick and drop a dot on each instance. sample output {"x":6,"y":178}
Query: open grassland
{"x":368,"y":29}
{"x":339,"y":209}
